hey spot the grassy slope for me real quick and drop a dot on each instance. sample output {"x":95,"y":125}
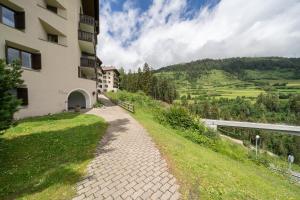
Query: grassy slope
{"x":207,"y":174}
{"x":44,"y":157}
{"x":219,"y":83}
{"x":210,"y":175}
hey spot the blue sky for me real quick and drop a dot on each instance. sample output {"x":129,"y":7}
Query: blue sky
{"x":191,"y":8}
{"x":192,"y":5}
{"x":164,"y":32}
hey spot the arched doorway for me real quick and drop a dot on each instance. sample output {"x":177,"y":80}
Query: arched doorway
{"x":80,"y":98}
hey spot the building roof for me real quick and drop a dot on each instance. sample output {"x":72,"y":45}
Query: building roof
{"x":111,"y":68}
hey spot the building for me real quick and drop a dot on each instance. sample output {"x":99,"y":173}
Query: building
{"x":108,"y":79}
{"x":55,"y":41}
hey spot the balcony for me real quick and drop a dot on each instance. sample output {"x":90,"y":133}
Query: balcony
{"x":116,"y":85}
{"x":86,"y":36}
{"x":87,"y":41}
{"x":87,"y":62}
{"x":87,"y":73}
{"x":87,"y":23}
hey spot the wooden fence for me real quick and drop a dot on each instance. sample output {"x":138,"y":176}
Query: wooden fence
{"x":125,"y":105}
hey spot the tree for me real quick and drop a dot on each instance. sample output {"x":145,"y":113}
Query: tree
{"x":295,"y":103}
{"x":155,"y":86}
{"x":147,"y":74}
{"x":10,"y":79}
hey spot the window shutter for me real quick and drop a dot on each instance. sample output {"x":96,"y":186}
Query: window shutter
{"x":36,"y":61}
{"x":20,"y":20}
{"x":22,"y":94}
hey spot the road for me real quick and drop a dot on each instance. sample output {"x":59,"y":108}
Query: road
{"x":293,"y":130}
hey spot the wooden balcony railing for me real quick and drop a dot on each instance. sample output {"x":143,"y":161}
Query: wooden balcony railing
{"x":86,"y":36}
{"x":85,"y":19}
{"x":87,"y":62}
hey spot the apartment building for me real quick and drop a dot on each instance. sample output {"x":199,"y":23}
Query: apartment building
{"x":55,"y":42}
{"x":108,"y":79}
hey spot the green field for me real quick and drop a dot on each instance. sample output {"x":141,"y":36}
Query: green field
{"x":219,"y":83}
{"x":44,"y":157}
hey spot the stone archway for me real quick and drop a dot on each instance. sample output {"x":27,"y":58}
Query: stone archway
{"x":78,"y":97}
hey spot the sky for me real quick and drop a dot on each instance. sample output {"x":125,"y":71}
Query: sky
{"x":166,"y":32}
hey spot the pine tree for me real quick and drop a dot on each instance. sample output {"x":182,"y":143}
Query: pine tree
{"x":146,"y":78}
{"x":10,"y":79}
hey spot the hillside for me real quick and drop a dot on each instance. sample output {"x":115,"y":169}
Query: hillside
{"x":206,"y":166}
{"x":235,"y":76}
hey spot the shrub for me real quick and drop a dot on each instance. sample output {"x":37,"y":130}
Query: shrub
{"x":10,"y":79}
{"x":211,"y":133}
{"x":178,"y":117}
{"x":98,"y":104}
{"x":261,"y":159}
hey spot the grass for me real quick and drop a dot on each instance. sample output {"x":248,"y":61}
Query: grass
{"x":211,"y":175}
{"x":207,"y":174}
{"x":218,"y":83}
{"x":44,"y":157}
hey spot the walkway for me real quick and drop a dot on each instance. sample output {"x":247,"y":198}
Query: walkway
{"x":127,"y":163}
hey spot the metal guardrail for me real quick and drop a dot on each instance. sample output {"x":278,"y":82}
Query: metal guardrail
{"x":86,"y":36}
{"x":87,"y":62}
{"x":87,"y":20}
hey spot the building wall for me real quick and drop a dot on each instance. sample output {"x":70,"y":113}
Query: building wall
{"x":48,"y":88}
{"x":110,"y":81}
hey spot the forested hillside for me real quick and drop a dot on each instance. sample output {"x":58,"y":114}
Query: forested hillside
{"x":243,"y":89}
{"x":234,"y":77}
{"x":273,"y":68}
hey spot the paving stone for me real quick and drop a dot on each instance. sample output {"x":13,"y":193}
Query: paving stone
{"x":157,"y":195}
{"x":165,"y":187}
{"x":127,"y":165}
{"x":167,"y":195}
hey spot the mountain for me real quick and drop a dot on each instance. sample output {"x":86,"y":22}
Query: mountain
{"x":248,"y":76}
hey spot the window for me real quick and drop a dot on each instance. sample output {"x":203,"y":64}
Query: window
{"x":13,"y":55}
{"x":52,"y":38}
{"x":12,"y":18}
{"x":21,"y":94}
{"x":7,"y":16}
{"x":52,"y":8}
{"x":26,"y":59}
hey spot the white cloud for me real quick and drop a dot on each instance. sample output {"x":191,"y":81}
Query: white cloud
{"x":232,"y":28}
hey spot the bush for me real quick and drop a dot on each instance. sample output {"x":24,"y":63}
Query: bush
{"x":98,"y":104}
{"x":10,"y":79}
{"x":178,"y":117}
{"x":260,"y":160}
{"x":211,"y":133}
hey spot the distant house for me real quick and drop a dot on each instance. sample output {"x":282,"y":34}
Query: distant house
{"x":108,"y":79}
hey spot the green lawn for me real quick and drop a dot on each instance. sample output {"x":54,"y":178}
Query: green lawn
{"x":44,"y":157}
{"x":206,"y":174}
